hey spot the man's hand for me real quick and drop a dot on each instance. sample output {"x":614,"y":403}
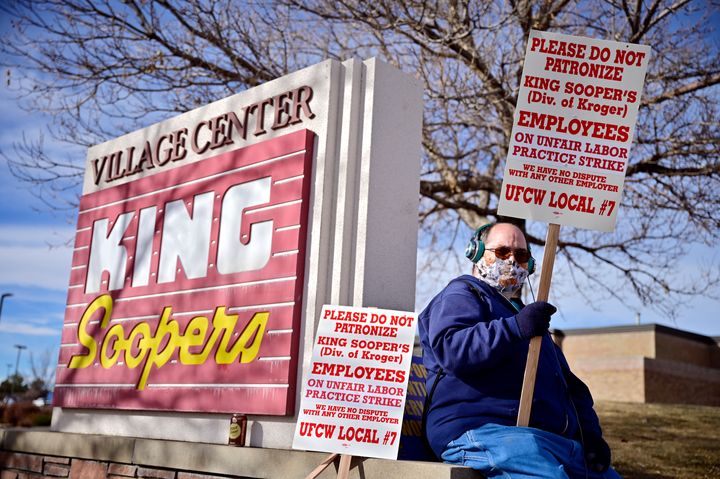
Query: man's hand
{"x":597,"y":454}
{"x":534,"y":319}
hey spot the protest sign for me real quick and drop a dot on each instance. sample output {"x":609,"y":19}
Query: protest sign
{"x":573,"y":128}
{"x":353,"y":395}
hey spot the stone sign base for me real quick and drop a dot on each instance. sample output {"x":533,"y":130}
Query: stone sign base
{"x":28,"y":454}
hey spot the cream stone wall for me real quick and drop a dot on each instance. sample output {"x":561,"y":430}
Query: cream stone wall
{"x":613,"y":379}
{"x":607,"y":345}
{"x":648,"y":363}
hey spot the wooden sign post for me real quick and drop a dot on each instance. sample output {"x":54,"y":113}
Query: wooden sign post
{"x":569,"y":147}
{"x":343,"y":467}
{"x":534,"y":351}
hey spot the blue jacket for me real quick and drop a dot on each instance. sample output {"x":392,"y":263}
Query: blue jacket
{"x":474,"y":337}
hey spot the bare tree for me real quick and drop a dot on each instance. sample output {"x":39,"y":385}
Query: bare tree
{"x":102,"y":69}
{"x":43,"y":372}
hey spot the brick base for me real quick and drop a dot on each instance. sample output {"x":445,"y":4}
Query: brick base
{"x":31,"y":466}
{"x":35,"y":454}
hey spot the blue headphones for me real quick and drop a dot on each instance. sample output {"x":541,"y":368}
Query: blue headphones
{"x":476,"y":248}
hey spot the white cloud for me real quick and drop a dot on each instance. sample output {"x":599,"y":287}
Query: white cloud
{"x":35,"y":235}
{"x":27,"y":260}
{"x":28,"y":329}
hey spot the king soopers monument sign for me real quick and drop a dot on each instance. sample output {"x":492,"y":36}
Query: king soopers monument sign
{"x":207,"y":244}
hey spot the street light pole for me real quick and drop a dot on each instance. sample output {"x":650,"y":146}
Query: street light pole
{"x":2,"y":300}
{"x":19,"y":347}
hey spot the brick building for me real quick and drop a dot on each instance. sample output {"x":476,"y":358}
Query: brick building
{"x":645,"y":363}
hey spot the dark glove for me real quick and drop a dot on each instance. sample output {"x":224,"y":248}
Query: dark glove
{"x":597,"y":454}
{"x":534,"y":319}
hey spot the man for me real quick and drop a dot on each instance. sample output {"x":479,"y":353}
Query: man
{"x":475,"y":336}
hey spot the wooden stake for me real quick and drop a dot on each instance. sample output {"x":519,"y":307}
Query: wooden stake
{"x":528,"y":387}
{"x":344,"y":468}
{"x":322,"y":466}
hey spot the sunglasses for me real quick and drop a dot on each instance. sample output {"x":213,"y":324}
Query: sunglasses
{"x":504,"y":252}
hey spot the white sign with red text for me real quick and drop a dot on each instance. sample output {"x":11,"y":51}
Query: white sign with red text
{"x":573,"y":128}
{"x":353,"y":396}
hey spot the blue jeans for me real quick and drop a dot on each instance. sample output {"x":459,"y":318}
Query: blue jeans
{"x":521,"y":453}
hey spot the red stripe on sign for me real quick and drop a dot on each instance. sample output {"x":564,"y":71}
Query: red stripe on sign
{"x":280,"y":319}
{"x":279,"y":268}
{"x":247,"y":400}
{"x":275,"y":344}
{"x":260,"y":372}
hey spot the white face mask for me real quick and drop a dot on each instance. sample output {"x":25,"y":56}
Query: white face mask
{"x":504,"y":275}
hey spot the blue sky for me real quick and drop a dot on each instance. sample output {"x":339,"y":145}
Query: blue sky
{"x":35,"y":265}
{"x":34,"y":260}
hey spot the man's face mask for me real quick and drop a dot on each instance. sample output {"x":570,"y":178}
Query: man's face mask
{"x":504,"y":274}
